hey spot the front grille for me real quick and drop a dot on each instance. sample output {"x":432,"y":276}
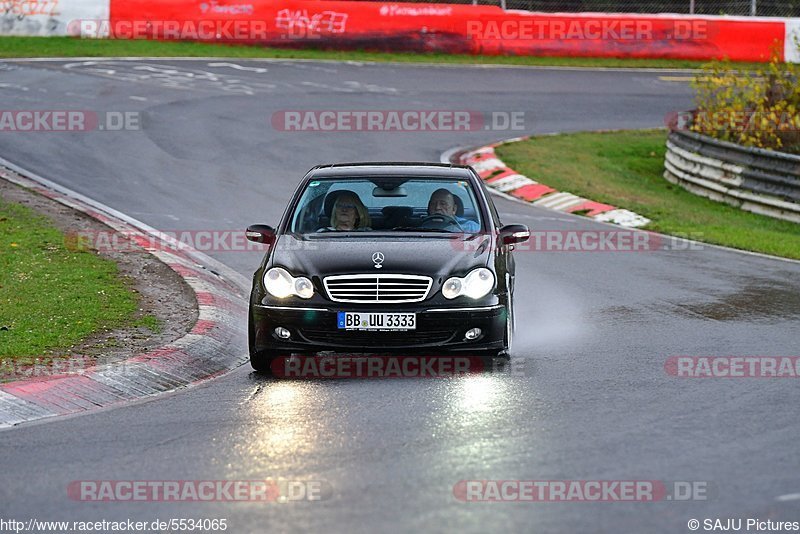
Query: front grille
{"x":373,"y":340}
{"x":372,"y":288}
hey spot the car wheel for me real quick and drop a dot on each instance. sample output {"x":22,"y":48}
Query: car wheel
{"x":490,"y":361}
{"x":509,"y":333}
{"x":511,"y":323}
{"x":492,"y":356}
{"x":261,"y":361}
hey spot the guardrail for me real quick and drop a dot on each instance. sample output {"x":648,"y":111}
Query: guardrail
{"x":752,"y":179}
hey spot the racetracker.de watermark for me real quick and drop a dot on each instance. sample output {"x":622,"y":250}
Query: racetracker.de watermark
{"x":63,"y":120}
{"x":733,"y":366}
{"x":201,"y":30}
{"x":403,"y":120}
{"x":200,"y":240}
{"x":734,"y":120}
{"x":586,"y":29}
{"x":391,"y":366}
{"x":44,"y":368}
{"x":605,"y":241}
{"x":581,"y":490}
{"x":268,"y":490}
{"x":15,"y":369}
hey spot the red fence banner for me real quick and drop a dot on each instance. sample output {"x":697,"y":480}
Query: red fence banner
{"x":447,"y":28}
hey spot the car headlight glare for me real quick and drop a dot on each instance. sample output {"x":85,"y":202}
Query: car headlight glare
{"x":279,"y":283}
{"x":478,"y":283}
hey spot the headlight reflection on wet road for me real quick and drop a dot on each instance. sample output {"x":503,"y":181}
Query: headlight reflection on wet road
{"x":283,"y":426}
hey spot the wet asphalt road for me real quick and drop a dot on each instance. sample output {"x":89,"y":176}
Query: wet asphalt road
{"x":589,"y":398}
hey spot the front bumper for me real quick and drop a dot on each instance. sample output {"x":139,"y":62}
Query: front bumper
{"x":315,"y":330}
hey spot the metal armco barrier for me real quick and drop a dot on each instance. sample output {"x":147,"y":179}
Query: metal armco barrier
{"x":753,"y":179}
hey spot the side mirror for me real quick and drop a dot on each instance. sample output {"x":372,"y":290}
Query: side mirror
{"x":260,"y":233}
{"x":513,"y":233}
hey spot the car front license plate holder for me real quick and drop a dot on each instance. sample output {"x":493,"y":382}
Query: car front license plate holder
{"x":390,"y":322}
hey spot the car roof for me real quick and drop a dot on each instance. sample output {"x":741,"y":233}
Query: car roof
{"x":410,"y":169}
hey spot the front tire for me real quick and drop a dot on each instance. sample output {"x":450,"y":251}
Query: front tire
{"x":261,"y":361}
{"x":510,"y":324}
{"x":490,"y":355}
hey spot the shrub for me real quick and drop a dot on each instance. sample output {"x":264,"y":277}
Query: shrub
{"x":759,"y":108}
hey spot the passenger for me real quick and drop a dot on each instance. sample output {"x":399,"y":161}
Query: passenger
{"x":349,"y":214}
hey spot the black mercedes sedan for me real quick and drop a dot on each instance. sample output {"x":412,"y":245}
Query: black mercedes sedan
{"x":385,"y":258}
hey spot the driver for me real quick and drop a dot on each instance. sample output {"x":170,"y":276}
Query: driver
{"x":443,"y":202}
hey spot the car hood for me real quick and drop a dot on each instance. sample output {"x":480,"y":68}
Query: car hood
{"x":433,"y":256}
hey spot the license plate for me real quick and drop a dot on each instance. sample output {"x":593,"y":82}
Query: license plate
{"x":376,"y":321}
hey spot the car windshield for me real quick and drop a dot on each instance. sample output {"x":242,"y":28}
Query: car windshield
{"x":388,"y":204}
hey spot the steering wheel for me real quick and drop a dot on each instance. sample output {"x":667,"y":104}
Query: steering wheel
{"x":442,"y":222}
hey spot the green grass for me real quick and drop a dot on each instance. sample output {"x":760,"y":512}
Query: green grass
{"x":626,"y":169}
{"x":52,"y":298}
{"x":151,"y":322}
{"x":15,"y":47}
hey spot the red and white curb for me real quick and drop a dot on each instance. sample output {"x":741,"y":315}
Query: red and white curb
{"x":498,"y":176}
{"x":216,"y":343}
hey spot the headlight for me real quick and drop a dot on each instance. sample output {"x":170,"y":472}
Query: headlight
{"x":279,"y":283}
{"x":303,"y":287}
{"x":452,"y":288}
{"x":478,"y":283}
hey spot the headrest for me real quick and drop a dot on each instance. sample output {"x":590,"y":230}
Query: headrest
{"x":459,"y":205}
